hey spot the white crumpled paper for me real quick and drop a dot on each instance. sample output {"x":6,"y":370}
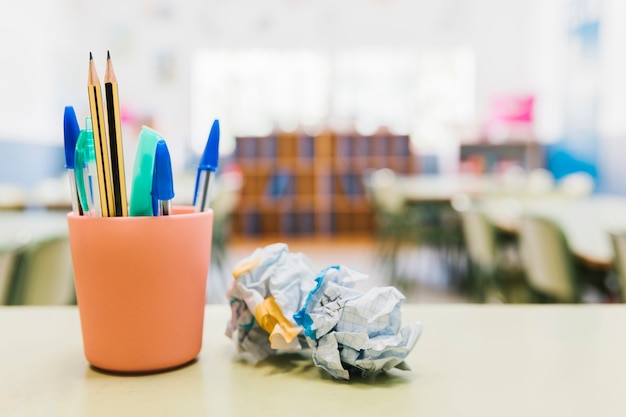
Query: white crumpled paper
{"x":278,"y":301}
{"x":351,"y":330}
{"x":270,"y":286}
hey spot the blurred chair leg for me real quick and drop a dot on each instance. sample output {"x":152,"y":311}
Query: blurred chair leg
{"x":388,"y":257}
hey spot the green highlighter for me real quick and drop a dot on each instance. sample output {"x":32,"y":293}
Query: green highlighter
{"x":141,"y":193}
{"x":86,"y":171}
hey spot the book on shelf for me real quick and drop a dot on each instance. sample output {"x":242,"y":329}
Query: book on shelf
{"x":268,"y":147}
{"x":280,"y":184}
{"x":246,"y":147}
{"x":306,"y":147}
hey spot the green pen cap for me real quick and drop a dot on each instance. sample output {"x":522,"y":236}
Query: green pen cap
{"x":84,"y":154}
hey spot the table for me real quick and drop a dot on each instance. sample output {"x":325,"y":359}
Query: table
{"x":18,"y":228}
{"x":424,"y":188}
{"x":472,"y":360}
{"x":585,"y":222}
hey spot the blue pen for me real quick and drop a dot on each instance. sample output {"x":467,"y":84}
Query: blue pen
{"x":162,"y":181}
{"x":208,"y":165}
{"x":71,"y":130}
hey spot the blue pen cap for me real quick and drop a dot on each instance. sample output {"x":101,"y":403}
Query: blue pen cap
{"x":163,"y":180}
{"x":211,"y":153}
{"x":71,"y":130}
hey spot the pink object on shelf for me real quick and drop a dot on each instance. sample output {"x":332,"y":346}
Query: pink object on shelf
{"x":510,"y":118}
{"x":512,"y":108}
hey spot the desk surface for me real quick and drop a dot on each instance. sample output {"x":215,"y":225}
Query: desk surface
{"x":472,"y":360}
{"x":586,"y":222}
{"x":22,"y":227}
{"x":442,"y":188}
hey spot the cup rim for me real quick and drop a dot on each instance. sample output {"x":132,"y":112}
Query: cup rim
{"x":178,"y":211}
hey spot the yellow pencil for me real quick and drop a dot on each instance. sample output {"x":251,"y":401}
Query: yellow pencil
{"x":115,"y":140}
{"x":100,"y":142}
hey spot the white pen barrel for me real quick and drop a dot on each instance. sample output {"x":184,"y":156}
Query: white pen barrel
{"x":93,"y":190}
{"x":73,"y":191}
{"x":165,"y":207}
{"x":203,"y":197}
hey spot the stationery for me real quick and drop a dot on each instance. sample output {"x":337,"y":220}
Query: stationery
{"x":118,"y":178}
{"x":141,"y":192}
{"x":71,"y":130}
{"x":107,"y":203}
{"x":86,"y":172}
{"x":207,"y":166}
{"x":162,"y":181}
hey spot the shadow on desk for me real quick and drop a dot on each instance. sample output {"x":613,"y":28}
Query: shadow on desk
{"x":300,"y":364}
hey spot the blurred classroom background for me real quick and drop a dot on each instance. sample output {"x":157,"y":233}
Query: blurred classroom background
{"x":461,"y":150}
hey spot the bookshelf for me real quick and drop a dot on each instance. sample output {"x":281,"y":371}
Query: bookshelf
{"x":496,"y":157}
{"x":298,"y":184}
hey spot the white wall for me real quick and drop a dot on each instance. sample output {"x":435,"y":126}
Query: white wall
{"x":47,"y":63}
{"x":612,"y":111}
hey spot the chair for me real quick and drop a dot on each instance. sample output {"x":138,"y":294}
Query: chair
{"x":493,"y":265}
{"x":539,"y":181}
{"x":12,"y":197}
{"x":43,"y":274}
{"x":7,"y":264}
{"x":577,"y":184}
{"x":548,"y":261}
{"x":388,"y":206}
{"x":618,"y":239}
{"x":224,"y":203}
{"x":431,"y":225}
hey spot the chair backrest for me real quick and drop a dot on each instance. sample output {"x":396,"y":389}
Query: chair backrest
{"x":227,"y":194}
{"x":547,"y":259}
{"x":539,"y":181}
{"x":7,"y":263}
{"x":577,"y":184}
{"x":385,"y":194}
{"x":224,"y":204}
{"x":480,"y":238}
{"x":618,"y":240}
{"x":44,"y":274}
{"x":12,"y":197}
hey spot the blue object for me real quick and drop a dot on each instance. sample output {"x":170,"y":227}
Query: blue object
{"x":162,"y":178}
{"x":210,"y":156}
{"x":208,"y":162}
{"x":71,"y":130}
{"x":279,"y":184}
{"x":301,"y":317}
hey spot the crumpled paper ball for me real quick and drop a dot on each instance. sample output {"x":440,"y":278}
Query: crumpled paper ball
{"x":279,"y":303}
{"x":269,"y":287}
{"x":350,"y":330}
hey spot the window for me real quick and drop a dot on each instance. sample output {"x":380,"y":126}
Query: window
{"x":423,"y":94}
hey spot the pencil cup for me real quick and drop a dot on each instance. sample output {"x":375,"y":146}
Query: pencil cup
{"x":140,"y":286}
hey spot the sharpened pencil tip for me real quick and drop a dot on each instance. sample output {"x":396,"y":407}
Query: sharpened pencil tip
{"x":108,"y":54}
{"x":90,"y":56}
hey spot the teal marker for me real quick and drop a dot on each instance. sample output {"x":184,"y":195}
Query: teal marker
{"x":141,"y":191}
{"x":86,"y":171}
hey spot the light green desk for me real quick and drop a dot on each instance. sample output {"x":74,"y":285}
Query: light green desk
{"x":472,"y":360}
{"x":18,"y":228}
{"x":424,"y":188}
{"x":585,"y":222}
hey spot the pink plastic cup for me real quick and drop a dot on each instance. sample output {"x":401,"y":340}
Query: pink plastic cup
{"x":140,"y":286}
